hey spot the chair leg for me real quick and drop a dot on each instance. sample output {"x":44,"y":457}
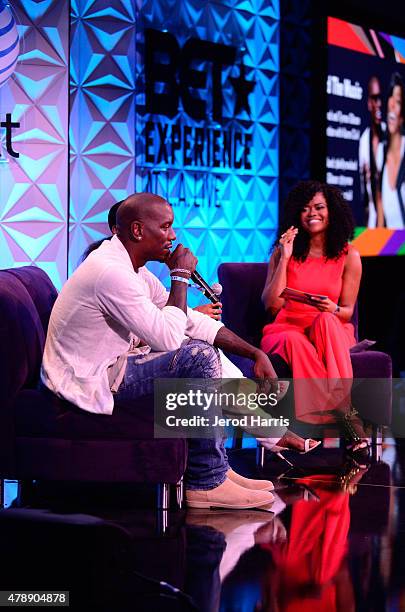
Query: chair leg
{"x":260,"y":454}
{"x":25,"y":491}
{"x":376,"y":435}
{"x":162,"y":521}
{"x":163,"y":496}
{"x":163,"y":503}
{"x":180,"y":493}
{"x":376,"y":443}
{"x":237,"y":438}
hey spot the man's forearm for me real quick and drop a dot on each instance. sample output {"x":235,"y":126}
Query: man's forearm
{"x":230,"y":342}
{"x":178,"y":295}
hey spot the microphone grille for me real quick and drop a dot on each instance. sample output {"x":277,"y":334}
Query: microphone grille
{"x":217,"y":288}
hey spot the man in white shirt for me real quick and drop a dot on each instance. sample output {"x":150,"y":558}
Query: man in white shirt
{"x":112,"y":302}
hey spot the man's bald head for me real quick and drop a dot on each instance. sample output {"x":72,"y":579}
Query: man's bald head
{"x":140,"y":207}
{"x":145,"y":228}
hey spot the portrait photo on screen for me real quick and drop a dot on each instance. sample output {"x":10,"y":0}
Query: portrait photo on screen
{"x":365,"y":131}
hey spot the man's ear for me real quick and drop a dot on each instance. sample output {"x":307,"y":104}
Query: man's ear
{"x":136,"y":230}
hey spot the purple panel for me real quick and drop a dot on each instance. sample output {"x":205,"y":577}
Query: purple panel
{"x":393,"y":245}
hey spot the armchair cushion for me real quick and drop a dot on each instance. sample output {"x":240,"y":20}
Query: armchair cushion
{"x":41,"y":414}
{"x":45,"y":437}
{"x":40,"y":288}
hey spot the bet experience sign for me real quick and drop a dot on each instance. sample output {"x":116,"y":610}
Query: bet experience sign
{"x":193,"y":75}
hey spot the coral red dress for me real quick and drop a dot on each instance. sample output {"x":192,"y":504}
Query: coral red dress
{"x":315,"y":344}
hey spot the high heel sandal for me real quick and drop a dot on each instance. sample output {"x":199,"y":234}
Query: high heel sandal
{"x":356,"y":444}
{"x":272,"y":445}
{"x":351,"y":476}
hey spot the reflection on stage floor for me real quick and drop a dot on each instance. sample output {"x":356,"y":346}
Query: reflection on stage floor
{"x":334,"y":539}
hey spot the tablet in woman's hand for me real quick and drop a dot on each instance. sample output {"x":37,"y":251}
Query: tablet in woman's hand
{"x":301,"y":296}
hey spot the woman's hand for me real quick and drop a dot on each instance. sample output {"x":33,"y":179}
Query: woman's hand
{"x":286,"y":242}
{"x":324,"y":305}
{"x":212,"y":310}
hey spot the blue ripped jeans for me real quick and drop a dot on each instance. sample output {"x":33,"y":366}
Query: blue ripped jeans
{"x":207,"y":462}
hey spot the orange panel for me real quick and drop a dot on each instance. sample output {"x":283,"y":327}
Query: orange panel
{"x":372,"y":241}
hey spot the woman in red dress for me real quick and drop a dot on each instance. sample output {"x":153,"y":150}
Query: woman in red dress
{"x":313,"y":255}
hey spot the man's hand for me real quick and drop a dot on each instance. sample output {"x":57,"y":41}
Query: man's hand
{"x":212,"y":310}
{"x":263,"y":369}
{"x":265,"y":374}
{"x":231,"y":343}
{"x":182,"y":258}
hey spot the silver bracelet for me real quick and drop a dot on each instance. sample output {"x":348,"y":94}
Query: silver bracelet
{"x":180,"y":278}
{"x":182,"y":270}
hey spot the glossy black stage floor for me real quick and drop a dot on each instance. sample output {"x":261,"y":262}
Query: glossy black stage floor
{"x":333,"y":540}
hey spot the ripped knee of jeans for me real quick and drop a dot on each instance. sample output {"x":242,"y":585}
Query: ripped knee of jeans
{"x":197,"y":349}
{"x":197,"y":359}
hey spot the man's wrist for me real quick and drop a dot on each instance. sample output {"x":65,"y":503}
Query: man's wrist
{"x":180,"y":279}
{"x":180,"y":272}
{"x":256,"y":352}
{"x":180,"y":275}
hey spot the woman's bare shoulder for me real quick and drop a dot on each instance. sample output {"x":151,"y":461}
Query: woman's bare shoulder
{"x":353,"y":258}
{"x":352,"y":253}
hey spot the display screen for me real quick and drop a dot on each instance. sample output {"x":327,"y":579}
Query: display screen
{"x":365,"y":130}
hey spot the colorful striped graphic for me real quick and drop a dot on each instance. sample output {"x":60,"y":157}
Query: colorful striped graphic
{"x":364,"y":40}
{"x":380,"y":241}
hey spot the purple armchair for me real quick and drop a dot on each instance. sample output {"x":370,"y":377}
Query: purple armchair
{"x":45,"y":438}
{"x":244,"y":314}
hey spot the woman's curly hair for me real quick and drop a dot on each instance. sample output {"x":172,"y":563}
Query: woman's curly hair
{"x":341,"y":223}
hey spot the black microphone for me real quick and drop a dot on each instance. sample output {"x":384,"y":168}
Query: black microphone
{"x":206,"y":289}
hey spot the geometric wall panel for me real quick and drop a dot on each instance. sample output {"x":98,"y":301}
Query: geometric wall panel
{"x":80,"y":99}
{"x":222,"y":212}
{"x":102,"y":116}
{"x":34,"y":185}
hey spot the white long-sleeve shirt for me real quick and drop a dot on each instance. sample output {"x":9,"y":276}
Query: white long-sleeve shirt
{"x":102,"y":307}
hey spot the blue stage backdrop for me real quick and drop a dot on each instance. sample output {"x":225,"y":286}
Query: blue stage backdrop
{"x":102,"y":116}
{"x":179,"y":97}
{"x":207,"y":108}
